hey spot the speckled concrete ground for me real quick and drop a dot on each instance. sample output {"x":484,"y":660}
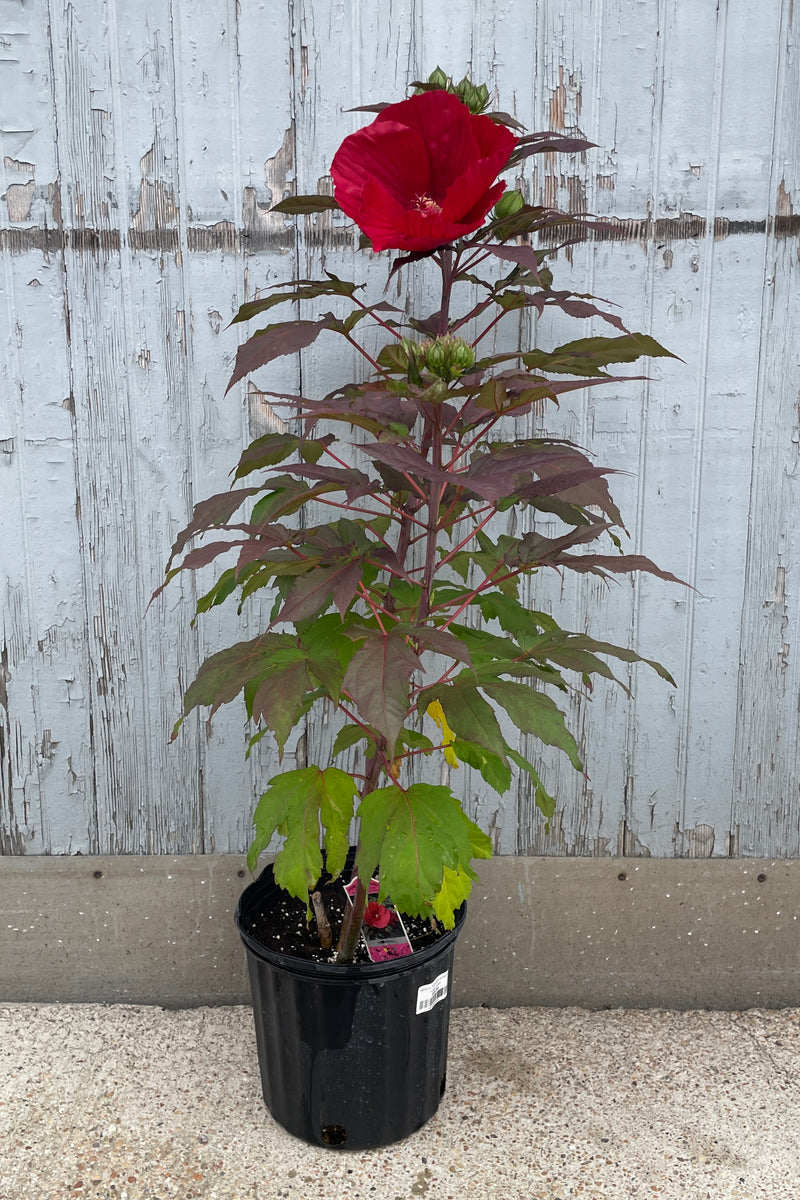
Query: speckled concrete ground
{"x":129,"y":1103}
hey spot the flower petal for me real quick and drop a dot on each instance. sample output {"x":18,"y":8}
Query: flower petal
{"x":444,"y":126}
{"x":392,"y":154}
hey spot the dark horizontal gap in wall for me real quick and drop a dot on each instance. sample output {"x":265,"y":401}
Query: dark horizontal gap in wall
{"x":225,"y":237}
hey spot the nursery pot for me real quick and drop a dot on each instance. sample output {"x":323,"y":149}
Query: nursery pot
{"x":351,"y":1056}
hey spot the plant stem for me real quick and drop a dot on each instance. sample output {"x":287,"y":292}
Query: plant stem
{"x":354,"y":916}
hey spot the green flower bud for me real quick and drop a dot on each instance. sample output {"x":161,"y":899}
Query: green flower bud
{"x":448,"y":357}
{"x":508,"y":204}
{"x":482,"y":98}
{"x":409,"y":347}
{"x":462,"y":356}
{"x":436,"y":357}
{"x":438,"y":79}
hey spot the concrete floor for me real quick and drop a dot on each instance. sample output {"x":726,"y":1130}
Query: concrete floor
{"x":134,"y":1102}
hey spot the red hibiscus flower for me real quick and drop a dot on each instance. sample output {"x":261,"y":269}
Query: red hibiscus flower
{"x":377,"y":915}
{"x":423,"y":173}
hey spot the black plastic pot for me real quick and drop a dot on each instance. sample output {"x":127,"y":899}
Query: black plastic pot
{"x":350,"y":1056}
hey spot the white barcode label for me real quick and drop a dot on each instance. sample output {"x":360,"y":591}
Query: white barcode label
{"x":430,"y":994}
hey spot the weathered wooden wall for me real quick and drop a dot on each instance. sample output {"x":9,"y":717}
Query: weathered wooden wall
{"x":140,"y":148}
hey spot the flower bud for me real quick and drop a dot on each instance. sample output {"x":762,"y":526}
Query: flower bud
{"x":448,"y":357}
{"x":438,"y":79}
{"x":409,"y":347}
{"x":508,"y":204}
{"x":462,"y":356}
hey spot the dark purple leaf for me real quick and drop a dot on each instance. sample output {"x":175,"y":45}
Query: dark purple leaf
{"x":279,"y":700}
{"x":216,"y":510}
{"x":355,"y":483}
{"x":620,"y":564}
{"x":504,"y":118}
{"x":222,"y":676}
{"x":540,"y":143}
{"x":440,"y":641}
{"x":523,"y":256}
{"x":533,"y":548}
{"x":276,"y":340}
{"x":575,"y":306}
{"x":407,"y":259}
{"x":378,"y":680}
{"x":404,"y":459}
{"x":299,"y":289}
{"x":567,"y":485}
{"x":310,"y":593}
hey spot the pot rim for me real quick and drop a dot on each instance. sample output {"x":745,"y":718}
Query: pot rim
{"x":259,"y":891}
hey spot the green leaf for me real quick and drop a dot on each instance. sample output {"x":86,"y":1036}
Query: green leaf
{"x":542,"y":798}
{"x":535,"y":713}
{"x":219,"y":592}
{"x":301,"y":205}
{"x":587,"y":356}
{"x":414,"y":740}
{"x":493,"y":770}
{"x":347,"y":736}
{"x":523,"y":623}
{"x":457,"y":885}
{"x":328,"y":649}
{"x":265,"y":452}
{"x":456,"y":888}
{"x":413,"y":833}
{"x":294,"y":804}
{"x":468,"y":714}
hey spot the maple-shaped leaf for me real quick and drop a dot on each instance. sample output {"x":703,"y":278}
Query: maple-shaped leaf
{"x":281,"y":697}
{"x":311,"y":592}
{"x":378,"y":680}
{"x":224,"y":674}
{"x":491,"y":769}
{"x":455,"y":890}
{"x":265,"y":452}
{"x":414,"y":833}
{"x":296,"y":803}
{"x":328,"y":650}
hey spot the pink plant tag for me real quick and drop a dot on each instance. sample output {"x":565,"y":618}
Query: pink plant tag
{"x":383,"y":931}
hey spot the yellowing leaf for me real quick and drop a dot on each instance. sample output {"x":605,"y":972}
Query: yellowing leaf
{"x":455,"y":889}
{"x":436,"y":713}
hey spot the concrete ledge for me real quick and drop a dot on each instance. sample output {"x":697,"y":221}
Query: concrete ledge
{"x":596,"y":933}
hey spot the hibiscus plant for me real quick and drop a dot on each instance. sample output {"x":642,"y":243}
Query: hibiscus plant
{"x":379,"y":519}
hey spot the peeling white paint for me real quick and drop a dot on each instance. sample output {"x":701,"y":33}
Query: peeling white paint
{"x":169,"y":149}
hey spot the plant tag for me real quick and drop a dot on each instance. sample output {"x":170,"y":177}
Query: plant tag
{"x":430,"y":994}
{"x":383,"y":931}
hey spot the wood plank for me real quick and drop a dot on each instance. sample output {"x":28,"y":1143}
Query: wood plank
{"x":765,"y":808}
{"x":138,"y":161}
